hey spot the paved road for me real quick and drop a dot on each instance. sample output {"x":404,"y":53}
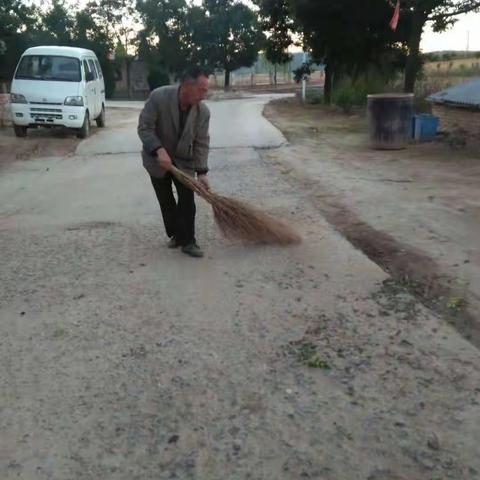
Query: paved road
{"x":122,"y":359}
{"x":235,"y":123}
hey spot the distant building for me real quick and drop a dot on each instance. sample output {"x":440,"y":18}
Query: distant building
{"x":131,"y":79}
{"x":458,"y":108}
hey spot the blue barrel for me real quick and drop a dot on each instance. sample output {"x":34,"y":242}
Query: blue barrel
{"x":424,"y":127}
{"x":390,"y":120}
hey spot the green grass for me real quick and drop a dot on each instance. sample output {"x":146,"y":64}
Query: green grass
{"x":305,"y":352}
{"x":59,"y":332}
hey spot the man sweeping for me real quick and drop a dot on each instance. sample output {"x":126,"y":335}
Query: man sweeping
{"x":173,"y":127}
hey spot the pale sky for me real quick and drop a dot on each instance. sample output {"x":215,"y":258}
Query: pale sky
{"x":456,"y":37}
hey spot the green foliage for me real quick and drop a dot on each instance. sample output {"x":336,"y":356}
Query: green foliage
{"x":17,"y":24}
{"x":305,"y":352}
{"x":108,"y":76}
{"x":303,"y":72}
{"x":349,"y":36}
{"x":59,"y":332}
{"x":421,"y":105}
{"x":276,"y":20}
{"x":346,"y":35}
{"x":454,"y":303}
{"x":168,"y":33}
{"x":315,"y":100}
{"x":346,"y":97}
{"x":219,"y":34}
{"x":157,"y":76}
{"x":235,"y":35}
{"x":353,"y":93}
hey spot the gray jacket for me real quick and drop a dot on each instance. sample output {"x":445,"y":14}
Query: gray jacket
{"x":158,"y":126}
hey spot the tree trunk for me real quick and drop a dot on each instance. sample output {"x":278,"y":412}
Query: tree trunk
{"x":414,"y":63}
{"x":227,"y":79}
{"x":129,"y":83}
{"x":327,"y":89}
{"x":275,"y":74}
{"x":337,"y":77}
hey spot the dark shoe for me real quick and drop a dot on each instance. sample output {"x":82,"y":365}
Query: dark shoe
{"x":193,"y":250}
{"x":172,"y":243}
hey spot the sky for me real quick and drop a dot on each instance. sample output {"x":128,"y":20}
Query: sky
{"x":456,"y":37}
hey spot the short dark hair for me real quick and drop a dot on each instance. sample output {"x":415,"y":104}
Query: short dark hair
{"x":192,"y":73}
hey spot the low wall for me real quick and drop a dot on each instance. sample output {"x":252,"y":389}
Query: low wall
{"x":454,"y":119}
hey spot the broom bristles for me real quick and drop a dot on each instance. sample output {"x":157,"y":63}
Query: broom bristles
{"x":238,"y":220}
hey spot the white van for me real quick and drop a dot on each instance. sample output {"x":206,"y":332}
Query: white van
{"x":58,"y":86}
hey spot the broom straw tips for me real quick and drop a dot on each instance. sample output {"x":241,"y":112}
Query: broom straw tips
{"x":238,"y":220}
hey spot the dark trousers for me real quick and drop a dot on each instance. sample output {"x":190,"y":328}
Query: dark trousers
{"x":179,"y":218}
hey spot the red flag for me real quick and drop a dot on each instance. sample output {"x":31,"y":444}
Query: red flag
{"x":396,"y":17}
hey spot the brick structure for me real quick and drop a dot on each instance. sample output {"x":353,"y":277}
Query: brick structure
{"x":455,"y":119}
{"x":131,"y":79}
{"x":458,"y":108}
{"x":5,"y":116}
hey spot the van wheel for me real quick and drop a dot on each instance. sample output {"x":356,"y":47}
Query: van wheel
{"x":20,"y":131}
{"x":85,"y":130}
{"x":101,"y":118}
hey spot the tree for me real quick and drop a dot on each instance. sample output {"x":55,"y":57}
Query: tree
{"x":215,"y":34}
{"x":16,"y":21}
{"x":277,"y":22}
{"x":167,"y":35}
{"x":235,"y":36}
{"x":417,"y":13}
{"x":57,"y":24}
{"x":348,"y":36}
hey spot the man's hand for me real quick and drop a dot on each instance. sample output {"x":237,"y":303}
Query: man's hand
{"x":164,"y":159}
{"x":203,"y":179}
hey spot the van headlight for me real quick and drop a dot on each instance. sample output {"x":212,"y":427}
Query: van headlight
{"x":74,"y":101}
{"x":17,"y":98}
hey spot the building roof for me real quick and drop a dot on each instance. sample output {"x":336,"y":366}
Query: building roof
{"x":464,"y":95}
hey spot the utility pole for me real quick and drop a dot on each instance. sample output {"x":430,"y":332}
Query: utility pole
{"x":304,"y":79}
{"x":468,"y":42}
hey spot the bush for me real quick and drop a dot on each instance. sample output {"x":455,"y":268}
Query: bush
{"x":108,"y":77}
{"x":350,"y":94}
{"x":157,"y":76}
{"x":304,"y":71}
{"x":315,"y":100}
{"x":346,"y":97}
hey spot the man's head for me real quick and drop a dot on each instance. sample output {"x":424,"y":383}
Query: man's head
{"x":194,"y":85}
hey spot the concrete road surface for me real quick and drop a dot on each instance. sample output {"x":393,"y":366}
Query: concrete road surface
{"x":236,"y":123}
{"x":124,"y":360}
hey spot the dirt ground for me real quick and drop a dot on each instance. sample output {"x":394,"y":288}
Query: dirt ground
{"x":125,"y":360}
{"x":47,"y":142}
{"x":416,"y":212}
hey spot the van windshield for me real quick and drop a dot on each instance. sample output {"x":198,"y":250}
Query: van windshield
{"x":49,"y":67}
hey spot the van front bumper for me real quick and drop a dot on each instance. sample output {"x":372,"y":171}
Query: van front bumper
{"x":25,"y":114}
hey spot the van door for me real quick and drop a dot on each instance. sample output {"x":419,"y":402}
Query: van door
{"x":90,"y":91}
{"x":101,"y":80}
{"x":98,"y":95}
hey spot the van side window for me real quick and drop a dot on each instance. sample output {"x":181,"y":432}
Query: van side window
{"x":86,"y":68}
{"x":93,"y":69}
{"x":99,"y":68}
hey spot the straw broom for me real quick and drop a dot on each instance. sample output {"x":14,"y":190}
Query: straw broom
{"x":238,"y":220}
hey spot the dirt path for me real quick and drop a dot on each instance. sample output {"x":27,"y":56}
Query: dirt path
{"x":123,"y":360}
{"x":414,"y":212}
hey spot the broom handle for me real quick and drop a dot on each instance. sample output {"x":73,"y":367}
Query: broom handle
{"x":191,"y":183}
